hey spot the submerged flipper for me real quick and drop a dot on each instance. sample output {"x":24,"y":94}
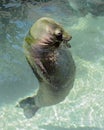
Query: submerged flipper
{"x":29,"y":112}
{"x":28,"y":106}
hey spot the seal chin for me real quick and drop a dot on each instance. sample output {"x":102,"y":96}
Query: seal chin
{"x":66,"y":39}
{"x":65,"y":42}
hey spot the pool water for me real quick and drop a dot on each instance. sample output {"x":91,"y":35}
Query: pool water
{"x":83,"y":108}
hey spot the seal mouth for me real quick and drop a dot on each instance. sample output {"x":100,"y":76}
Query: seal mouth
{"x":66,"y":39}
{"x":66,"y":43}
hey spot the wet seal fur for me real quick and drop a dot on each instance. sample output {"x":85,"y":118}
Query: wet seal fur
{"x":47,"y":52}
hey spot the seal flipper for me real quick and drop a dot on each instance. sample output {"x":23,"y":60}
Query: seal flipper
{"x":34,"y":70}
{"x":30,"y":111}
{"x":29,"y":107}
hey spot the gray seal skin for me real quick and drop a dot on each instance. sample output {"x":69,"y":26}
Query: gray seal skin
{"x":47,"y":52}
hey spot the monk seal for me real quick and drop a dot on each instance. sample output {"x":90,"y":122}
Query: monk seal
{"x":47,"y":52}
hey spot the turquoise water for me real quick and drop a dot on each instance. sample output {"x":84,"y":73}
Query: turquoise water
{"x":83,"y":108}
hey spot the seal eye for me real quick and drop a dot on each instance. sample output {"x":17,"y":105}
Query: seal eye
{"x":58,"y":34}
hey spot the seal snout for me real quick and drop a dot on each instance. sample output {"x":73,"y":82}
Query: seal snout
{"x":70,"y":37}
{"x":67,"y":38}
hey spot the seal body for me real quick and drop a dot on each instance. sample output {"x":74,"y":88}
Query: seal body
{"x":60,"y":68}
{"x":47,"y":52}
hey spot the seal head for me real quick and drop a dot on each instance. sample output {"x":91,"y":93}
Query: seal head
{"x":47,"y":32}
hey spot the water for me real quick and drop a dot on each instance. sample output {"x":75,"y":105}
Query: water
{"x":83,"y":109}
